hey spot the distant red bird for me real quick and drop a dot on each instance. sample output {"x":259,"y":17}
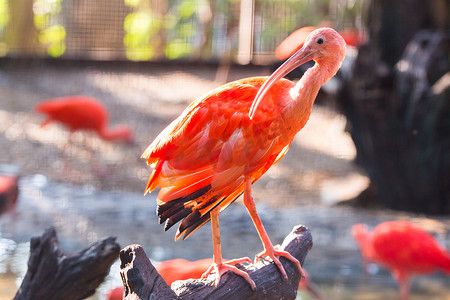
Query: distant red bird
{"x":9,"y":192}
{"x":181,"y":269}
{"x":223,"y":142}
{"x":83,"y":113}
{"x":353,"y":37}
{"x":295,"y":40}
{"x":404,"y":248}
{"x":115,"y":294}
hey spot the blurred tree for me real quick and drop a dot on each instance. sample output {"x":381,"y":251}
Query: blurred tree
{"x":396,"y":103}
{"x":20,"y":32}
{"x":4,"y":20}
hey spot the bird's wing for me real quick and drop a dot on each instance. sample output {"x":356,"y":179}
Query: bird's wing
{"x":202,"y":159}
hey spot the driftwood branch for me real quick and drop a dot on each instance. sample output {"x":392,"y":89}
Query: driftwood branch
{"x":142,"y":281}
{"x":53,"y":275}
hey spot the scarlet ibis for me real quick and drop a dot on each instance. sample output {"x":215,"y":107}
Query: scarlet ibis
{"x":224,"y":141}
{"x":404,"y":248}
{"x":83,"y":113}
{"x":9,"y":192}
{"x":115,"y":294}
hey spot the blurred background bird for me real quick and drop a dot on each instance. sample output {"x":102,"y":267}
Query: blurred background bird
{"x":83,"y":113}
{"x":296,"y":39}
{"x":9,"y":192}
{"x":404,"y":248}
{"x":226,"y":140}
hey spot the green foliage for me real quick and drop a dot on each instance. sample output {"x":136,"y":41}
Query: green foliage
{"x":177,"y":48}
{"x":4,"y":19}
{"x":4,"y":14}
{"x":53,"y":37}
{"x":189,"y":29}
{"x":181,"y":32}
{"x":139,"y":28}
{"x":50,"y":34}
{"x":187,"y":9}
{"x":132,"y":3}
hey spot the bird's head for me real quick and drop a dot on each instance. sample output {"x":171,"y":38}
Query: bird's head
{"x":324,"y":45}
{"x":360,"y":232}
{"x":362,"y":235}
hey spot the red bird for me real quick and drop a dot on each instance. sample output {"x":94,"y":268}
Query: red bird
{"x":83,"y":113}
{"x":115,"y":294}
{"x":9,"y":192}
{"x":226,"y":140}
{"x":404,"y":248}
{"x":295,"y":41}
{"x":181,"y":269}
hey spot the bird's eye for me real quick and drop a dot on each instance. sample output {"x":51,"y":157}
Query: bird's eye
{"x":320,"y":41}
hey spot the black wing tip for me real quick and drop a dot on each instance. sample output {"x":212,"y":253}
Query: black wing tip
{"x":191,"y":223}
{"x":175,"y":218}
{"x":173,"y":211}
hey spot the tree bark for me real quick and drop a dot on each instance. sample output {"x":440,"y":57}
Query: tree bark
{"x":142,"y":281}
{"x":53,"y":275}
{"x":396,"y":104}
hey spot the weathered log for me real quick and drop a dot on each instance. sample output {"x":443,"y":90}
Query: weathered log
{"x":53,"y":275}
{"x":142,"y":281}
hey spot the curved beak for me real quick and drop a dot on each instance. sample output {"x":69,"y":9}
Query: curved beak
{"x":300,"y":57}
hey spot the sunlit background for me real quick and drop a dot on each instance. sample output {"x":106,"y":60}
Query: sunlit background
{"x":146,"y":60}
{"x":158,"y":30}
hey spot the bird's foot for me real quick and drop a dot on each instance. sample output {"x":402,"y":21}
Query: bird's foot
{"x":220,"y":269}
{"x":274,"y":253}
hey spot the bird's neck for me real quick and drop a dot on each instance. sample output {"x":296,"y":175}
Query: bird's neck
{"x":365,"y":245}
{"x":305,"y":92}
{"x":118,"y":133}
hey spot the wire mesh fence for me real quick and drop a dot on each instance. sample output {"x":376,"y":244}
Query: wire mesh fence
{"x":158,"y":30}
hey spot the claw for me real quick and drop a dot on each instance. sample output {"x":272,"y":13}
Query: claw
{"x":220,"y":269}
{"x":274,"y":253}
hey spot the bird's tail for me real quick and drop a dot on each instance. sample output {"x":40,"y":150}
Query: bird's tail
{"x":190,"y":196}
{"x":193,"y":209}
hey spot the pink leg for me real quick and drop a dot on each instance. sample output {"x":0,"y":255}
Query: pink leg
{"x":269,"y":249}
{"x":365,"y":264}
{"x":404,"y":288}
{"x":66,"y":154}
{"x":218,"y":265}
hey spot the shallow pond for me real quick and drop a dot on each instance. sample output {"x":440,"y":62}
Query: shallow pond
{"x":83,"y":215}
